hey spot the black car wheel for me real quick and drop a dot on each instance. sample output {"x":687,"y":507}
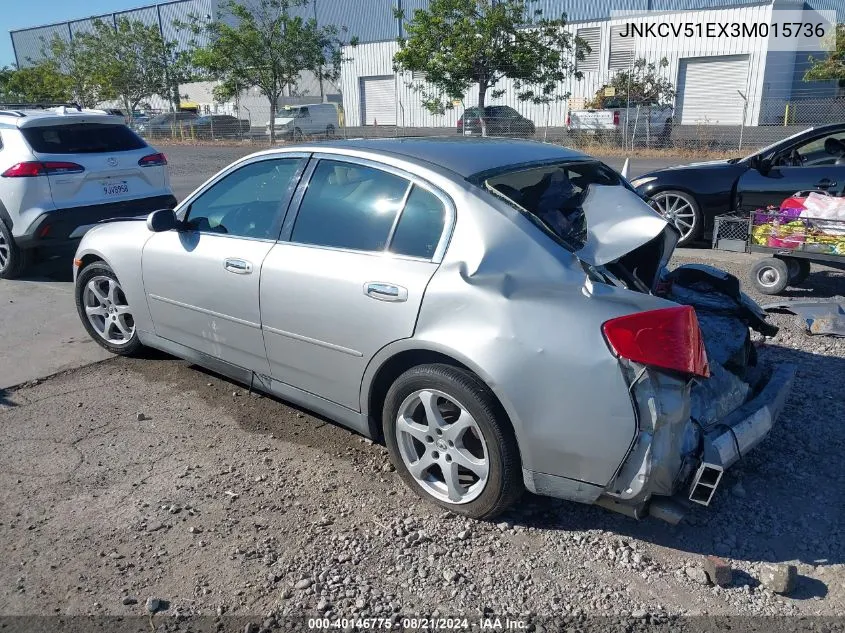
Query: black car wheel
{"x":770,"y":276}
{"x":682,"y":210}
{"x":13,"y":260}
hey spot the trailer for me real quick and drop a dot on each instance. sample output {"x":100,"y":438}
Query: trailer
{"x":791,"y":237}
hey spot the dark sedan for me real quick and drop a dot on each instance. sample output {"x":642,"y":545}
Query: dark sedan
{"x":500,"y":121}
{"x":216,"y":126}
{"x":691,"y":196}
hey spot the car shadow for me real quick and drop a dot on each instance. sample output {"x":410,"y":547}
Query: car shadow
{"x":4,"y":399}
{"x":785,"y":501}
{"x":58,"y":268}
{"x":821,"y":283}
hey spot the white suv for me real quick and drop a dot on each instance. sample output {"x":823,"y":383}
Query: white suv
{"x":62,"y":170}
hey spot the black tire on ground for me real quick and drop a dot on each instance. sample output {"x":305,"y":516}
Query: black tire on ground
{"x":770,"y":276}
{"x":504,"y":482}
{"x":799,"y":270}
{"x":13,"y":260}
{"x":329,"y":131}
{"x":133,"y":346}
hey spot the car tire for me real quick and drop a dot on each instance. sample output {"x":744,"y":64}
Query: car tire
{"x":112,"y":326}
{"x":470,"y":439}
{"x":13,"y":259}
{"x":329,"y":131}
{"x":770,"y":276}
{"x":682,"y":210}
{"x":799,"y":270}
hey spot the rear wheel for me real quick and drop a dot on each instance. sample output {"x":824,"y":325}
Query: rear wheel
{"x":105,"y":311}
{"x":13,"y":260}
{"x":770,"y":276}
{"x":329,"y":131}
{"x":682,"y":211}
{"x":451,"y":442}
{"x":799,"y":270}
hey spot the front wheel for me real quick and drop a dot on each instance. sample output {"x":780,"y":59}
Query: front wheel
{"x":681,"y":209}
{"x":770,"y":276}
{"x":104,"y":310}
{"x":451,"y":441}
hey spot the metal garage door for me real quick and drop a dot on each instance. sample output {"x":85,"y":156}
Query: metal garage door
{"x":707,"y":90}
{"x":378,"y":100}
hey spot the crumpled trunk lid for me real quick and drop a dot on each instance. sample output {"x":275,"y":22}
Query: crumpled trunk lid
{"x":619,"y":222}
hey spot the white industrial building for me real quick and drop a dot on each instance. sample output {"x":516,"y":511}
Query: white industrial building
{"x":708,"y":74}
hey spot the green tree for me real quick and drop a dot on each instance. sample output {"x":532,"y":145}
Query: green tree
{"x":74,"y":59}
{"x":40,"y":83}
{"x":459,"y":44}
{"x":129,"y":61}
{"x":642,"y":84}
{"x":832,"y":66}
{"x":261,"y":45}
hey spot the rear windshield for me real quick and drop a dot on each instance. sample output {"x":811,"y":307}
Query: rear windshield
{"x":82,"y":138}
{"x":555,"y":196}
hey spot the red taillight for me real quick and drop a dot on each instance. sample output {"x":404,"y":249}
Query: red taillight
{"x":460,"y":123}
{"x":36,"y":168}
{"x":568,"y":120}
{"x":616,"y":118}
{"x":669,"y":338}
{"x":152,"y":160}
{"x":24,"y":170}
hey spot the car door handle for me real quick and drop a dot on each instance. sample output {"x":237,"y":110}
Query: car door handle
{"x":237,"y":266}
{"x":825,"y":183}
{"x":385,"y":292}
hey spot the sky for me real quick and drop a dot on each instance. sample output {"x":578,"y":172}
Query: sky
{"x":21,"y":15}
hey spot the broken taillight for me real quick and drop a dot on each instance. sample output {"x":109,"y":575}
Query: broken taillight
{"x":668,"y":338}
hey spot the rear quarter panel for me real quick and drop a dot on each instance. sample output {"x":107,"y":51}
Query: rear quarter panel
{"x":517,"y":309}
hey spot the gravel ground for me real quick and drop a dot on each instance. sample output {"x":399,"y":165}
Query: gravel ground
{"x":133,"y":479}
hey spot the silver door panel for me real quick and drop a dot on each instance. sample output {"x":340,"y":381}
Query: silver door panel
{"x":320,"y":328}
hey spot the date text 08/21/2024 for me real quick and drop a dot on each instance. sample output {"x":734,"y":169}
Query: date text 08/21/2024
{"x":419,"y":623}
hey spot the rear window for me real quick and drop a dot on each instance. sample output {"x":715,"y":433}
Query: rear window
{"x":82,"y":138}
{"x":556,"y":196}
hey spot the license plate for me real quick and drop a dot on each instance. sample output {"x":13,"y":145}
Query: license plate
{"x":467,"y":132}
{"x":118,"y":188}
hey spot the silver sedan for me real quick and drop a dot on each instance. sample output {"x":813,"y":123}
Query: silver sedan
{"x":498,"y":312}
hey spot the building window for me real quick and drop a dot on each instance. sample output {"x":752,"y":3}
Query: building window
{"x":592,"y":37}
{"x":621,"y":49}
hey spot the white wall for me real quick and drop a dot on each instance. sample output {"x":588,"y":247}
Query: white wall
{"x":376,"y":59}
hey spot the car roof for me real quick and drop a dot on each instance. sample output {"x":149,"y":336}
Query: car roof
{"x":54,"y":116}
{"x":464,"y":156}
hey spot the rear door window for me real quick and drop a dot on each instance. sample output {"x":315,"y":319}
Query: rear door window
{"x":349,"y":206}
{"x":82,"y":138}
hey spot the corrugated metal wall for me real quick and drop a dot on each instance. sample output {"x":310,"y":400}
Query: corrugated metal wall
{"x":375,"y":59}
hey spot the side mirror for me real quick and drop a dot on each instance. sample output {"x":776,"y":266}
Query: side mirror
{"x":763,"y":165}
{"x":162,"y":220}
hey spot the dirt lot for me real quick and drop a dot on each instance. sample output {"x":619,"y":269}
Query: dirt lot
{"x":132,"y":479}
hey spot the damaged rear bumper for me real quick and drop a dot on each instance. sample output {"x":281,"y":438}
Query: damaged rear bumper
{"x":733,"y":437}
{"x":675,"y":459}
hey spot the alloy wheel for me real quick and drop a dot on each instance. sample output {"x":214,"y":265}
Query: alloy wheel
{"x":442,"y":446}
{"x":108,"y":311}
{"x":678,"y":210}
{"x":5,"y":252}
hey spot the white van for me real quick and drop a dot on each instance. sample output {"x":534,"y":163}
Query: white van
{"x":313,"y":119}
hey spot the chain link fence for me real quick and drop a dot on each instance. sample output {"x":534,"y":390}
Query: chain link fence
{"x":630,"y":129}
